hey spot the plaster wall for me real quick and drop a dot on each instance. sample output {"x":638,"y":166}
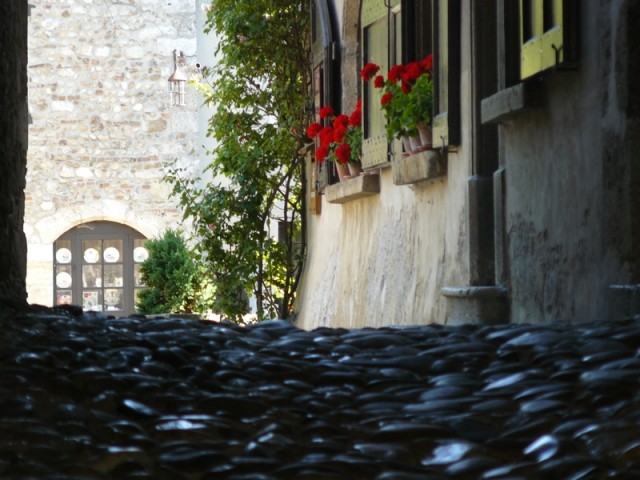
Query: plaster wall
{"x":383,"y":259}
{"x":567,"y":166}
{"x":102,"y":132}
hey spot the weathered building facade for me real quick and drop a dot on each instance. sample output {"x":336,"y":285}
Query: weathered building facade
{"x":102,"y":135}
{"x":528,"y":207}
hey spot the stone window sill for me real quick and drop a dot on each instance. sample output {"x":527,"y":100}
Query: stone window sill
{"x":419,"y":167}
{"x":354,"y":188}
{"x":508,"y":103}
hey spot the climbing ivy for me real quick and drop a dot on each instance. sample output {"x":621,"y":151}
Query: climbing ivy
{"x":258,"y":89}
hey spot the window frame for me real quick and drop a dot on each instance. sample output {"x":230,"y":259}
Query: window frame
{"x":325,"y":81}
{"x":446,"y":61}
{"x":409,"y":29}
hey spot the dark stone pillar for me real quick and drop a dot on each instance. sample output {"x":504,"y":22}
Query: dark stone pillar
{"x":13,"y":149}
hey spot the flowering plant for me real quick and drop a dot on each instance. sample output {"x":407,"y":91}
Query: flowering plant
{"x":407,"y":95}
{"x":341,"y":139}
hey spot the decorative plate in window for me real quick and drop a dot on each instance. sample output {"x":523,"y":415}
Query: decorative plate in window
{"x":91,"y":255}
{"x":63,"y":255}
{"x":111,"y":255}
{"x":140,"y":254}
{"x":63,"y":280}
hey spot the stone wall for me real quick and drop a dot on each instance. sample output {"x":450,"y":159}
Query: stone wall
{"x":571,"y":170}
{"x":103,"y":132}
{"x":13,"y":147}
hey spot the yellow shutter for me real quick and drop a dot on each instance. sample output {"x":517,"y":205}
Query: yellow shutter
{"x":541,"y":36}
{"x":376,"y":40}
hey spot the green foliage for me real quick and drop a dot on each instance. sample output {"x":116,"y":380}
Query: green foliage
{"x":175,"y":282}
{"x":259,"y":92}
{"x":419,"y":106}
{"x":405,"y":111}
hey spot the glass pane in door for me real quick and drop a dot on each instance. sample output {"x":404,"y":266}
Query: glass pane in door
{"x":113,"y":251}
{"x":92,"y":276}
{"x":92,"y":300}
{"x":113,"y":299}
{"x":64,"y":297}
{"x":91,"y":251}
{"x":137,"y":276}
{"x":113,"y":276}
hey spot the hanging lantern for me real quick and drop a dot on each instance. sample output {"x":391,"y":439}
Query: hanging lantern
{"x":177,"y":82}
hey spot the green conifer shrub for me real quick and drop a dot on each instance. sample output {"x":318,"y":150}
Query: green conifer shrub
{"x":175,"y":281}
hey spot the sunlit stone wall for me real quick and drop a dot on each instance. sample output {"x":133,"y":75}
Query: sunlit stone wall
{"x":102,"y":130}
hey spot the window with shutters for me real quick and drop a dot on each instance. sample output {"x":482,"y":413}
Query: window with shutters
{"x":326,"y":77}
{"x":381,"y":24}
{"x":402,"y":31}
{"x":547,"y":35}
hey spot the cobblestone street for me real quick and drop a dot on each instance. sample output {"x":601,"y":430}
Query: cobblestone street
{"x":89,"y":397}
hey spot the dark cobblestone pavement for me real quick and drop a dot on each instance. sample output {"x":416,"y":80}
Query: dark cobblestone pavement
{"x":89,"y":397}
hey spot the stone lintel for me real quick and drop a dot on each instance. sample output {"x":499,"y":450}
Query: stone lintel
{"x":353,"y":188}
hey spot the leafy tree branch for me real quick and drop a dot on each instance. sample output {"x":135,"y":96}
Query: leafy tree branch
{"x":259,"y":89}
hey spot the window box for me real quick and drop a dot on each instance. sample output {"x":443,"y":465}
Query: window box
{"x":354,"y":188}
{"x":419,"y":167}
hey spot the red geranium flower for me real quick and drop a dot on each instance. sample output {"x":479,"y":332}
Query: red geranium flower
{"x":368,"y":71}
{"x":406,"y":87}
{"x":343,"y":152}
{"x":359,"y":104}
{"x":355,"y":119}
{"x":326,"y":111}
{"x":339,"y":132}
{"x":326,"y":135}
{"x":379,"y":81}
{"x":313,"y":129}
{"x":427,"y":63}
{"x":395,"y":73}
{"x":341,"y":121}
{"x":321,"y":153}
{"x":411,"y":72}
{"x":386,"y":98}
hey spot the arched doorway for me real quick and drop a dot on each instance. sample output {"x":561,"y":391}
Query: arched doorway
{"x":97,"y":266}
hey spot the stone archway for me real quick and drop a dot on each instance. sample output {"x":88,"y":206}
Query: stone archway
{"x":43,"y":234}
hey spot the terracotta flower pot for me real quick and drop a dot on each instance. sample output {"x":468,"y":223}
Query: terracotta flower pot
{"x":415,"y":143}
{"x":343,"y":171}
{"x":406,"y":143}
{"x":354,"y":169}
{"x":426,"y":135}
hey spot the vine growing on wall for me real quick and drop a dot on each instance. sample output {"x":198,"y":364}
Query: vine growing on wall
{"x":249,"y":215}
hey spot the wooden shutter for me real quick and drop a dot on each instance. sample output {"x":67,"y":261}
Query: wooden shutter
{"x":548,"y":35}
{"x":380,"y":39}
